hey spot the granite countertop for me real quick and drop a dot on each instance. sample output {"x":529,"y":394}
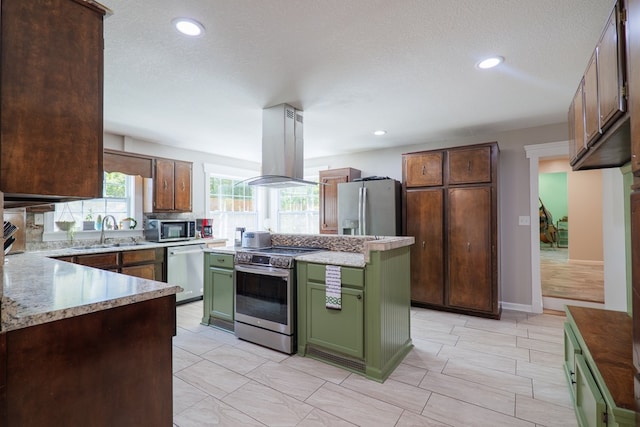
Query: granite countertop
{"x":81,"y":249}
{"x":38,"y":290}
{"x":344,"y":259}
{"x":357,"y":259}
{"x":231,"y":250}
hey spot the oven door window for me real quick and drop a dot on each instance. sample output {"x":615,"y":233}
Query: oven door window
{"x":262,"y":297}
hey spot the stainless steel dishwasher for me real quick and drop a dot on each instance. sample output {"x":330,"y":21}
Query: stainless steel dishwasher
{"x":185,"y":268}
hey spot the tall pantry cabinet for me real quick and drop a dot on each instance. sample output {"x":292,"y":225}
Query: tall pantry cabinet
{"x":450,"y":206}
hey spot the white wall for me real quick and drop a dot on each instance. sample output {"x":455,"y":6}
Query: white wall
{"x":515,"y":241}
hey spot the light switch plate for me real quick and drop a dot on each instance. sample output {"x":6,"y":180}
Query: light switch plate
{"x":524,"y":220}
{"x":38,"y":219}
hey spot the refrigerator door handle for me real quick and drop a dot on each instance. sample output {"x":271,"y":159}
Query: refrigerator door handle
{"x":364,"y":211}
{"x":360,"y":210}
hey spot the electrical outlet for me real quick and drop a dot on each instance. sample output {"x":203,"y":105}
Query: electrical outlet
{"x":38,"y":219}
{"x":524,"y":220}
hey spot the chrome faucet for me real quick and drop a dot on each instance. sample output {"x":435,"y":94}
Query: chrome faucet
{"x":104,"y":221}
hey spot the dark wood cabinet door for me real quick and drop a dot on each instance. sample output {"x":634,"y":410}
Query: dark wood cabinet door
{"x":182,"y":195}
{"x":103,"y":261}
{"x":52,"y":89}
{"x":423,"y":169}
{"x":138,"y":256}
{"x":329,"y":180}
{"x":470,"y":283}
{"x":577,"y":143}
{"x":610,"y":81}
{"x":163,"y":185}
{"x":147,"y":271}
{"x":329,"y":204}
{"x":591,"y":113}
{"x":425,"y":212}
{"x":468,"y":166}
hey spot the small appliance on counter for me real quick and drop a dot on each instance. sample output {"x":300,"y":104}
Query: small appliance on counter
{"x":169,"y":230}
{"x":256,"y":239}
{"x":205,"y":227}
{"x":238,"y":237}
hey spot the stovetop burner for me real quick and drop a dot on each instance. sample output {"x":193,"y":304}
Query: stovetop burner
{"x":275,"y":256}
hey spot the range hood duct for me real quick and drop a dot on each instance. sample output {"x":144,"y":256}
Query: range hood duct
{"x":282,"y":148}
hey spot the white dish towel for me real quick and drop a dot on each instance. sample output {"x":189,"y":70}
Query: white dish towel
{"x":333,"y":281}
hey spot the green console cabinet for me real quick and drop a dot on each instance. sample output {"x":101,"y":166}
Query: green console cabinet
{"x":599,"y":367}
{"x":218,"y":298}
{"x":370,"y":333}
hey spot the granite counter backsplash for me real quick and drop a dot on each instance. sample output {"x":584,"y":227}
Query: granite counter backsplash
{"x":330,"y":242}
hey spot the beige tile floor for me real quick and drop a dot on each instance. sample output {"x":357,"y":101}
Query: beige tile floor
{"x":463,"y":371}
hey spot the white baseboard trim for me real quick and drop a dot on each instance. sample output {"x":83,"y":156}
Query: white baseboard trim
{"x":517,"y":307}
{"x":559,"y":303}
{"x":585,"y":262}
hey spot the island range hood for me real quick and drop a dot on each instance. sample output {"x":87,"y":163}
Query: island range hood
{"x":282,"y":152}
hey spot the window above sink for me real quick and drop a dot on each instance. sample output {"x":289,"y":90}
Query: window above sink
{"x":122,"y":199}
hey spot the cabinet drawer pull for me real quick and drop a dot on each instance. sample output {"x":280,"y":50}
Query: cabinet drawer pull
{"x":424,"y":170}
{"x":469,"y":165}
{"x":423,"y":244}
{"x":220,"y":259}
{"x":468,"y":247}
{"x":359,"y":296}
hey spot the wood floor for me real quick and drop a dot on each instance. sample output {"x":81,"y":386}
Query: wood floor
{"x":561,"y":278}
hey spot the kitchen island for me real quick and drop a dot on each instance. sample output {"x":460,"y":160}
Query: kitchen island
{"x":368,"y":332}
{"x":83,"y":346}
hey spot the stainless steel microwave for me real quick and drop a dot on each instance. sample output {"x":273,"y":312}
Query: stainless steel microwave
{"x":168,"y":230}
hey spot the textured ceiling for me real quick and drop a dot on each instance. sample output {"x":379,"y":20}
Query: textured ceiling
{"x":352,"y":66}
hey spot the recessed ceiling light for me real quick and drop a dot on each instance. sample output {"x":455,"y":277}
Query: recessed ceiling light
{"x":380,"y":132}
{"x":188,"y":26}
{"x":490,"y":62}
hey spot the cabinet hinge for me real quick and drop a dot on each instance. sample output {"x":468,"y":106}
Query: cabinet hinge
{"x":605,"y":418}
{"x":623,"y":16}
{"x":623,"y":91}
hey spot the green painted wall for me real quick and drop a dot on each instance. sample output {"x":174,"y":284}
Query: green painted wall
{"x":553,"y":192}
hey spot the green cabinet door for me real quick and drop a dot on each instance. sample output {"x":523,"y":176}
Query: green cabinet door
{"x":337,"y":330}
{"x":207,"y":292}
{"x":571,"y":348}
{"x":591,"y":408}
{"x":222,"y":293}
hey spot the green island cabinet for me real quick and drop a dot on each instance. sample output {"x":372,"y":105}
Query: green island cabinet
{"x":370,"y":334}
{"x":598,"y":365}
{"x":218,"y":298}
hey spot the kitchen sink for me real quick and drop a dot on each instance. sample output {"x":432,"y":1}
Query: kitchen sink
{"x":107,"y":245}
{"x":85,"y":247}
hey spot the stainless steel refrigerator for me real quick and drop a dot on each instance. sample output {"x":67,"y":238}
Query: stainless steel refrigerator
{"x":369,"y":207}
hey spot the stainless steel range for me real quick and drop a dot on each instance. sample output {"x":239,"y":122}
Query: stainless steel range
{"x":266,"y":296}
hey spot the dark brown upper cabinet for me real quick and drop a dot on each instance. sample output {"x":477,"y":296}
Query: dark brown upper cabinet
{"x":599,"y":128}
{"x":51,"y":92}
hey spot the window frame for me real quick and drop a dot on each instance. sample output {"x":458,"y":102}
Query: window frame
{"x":135,"y":195}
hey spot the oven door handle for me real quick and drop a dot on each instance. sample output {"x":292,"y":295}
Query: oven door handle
{"x":267,"y":271}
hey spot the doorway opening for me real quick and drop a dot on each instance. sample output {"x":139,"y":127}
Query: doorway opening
{"x":615,"y":229}
{"x":571,"y":241}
